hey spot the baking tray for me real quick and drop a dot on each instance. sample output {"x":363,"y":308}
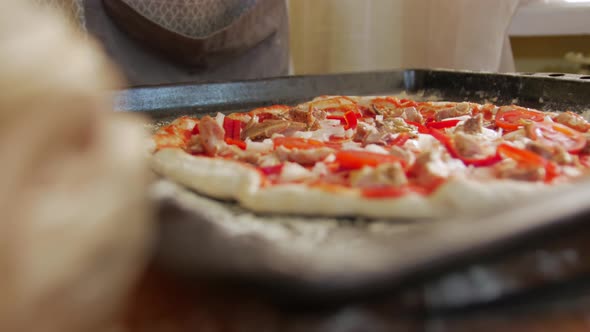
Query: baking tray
{"x":438,"y":264}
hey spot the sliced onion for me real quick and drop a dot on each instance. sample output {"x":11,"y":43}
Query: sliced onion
{"x":259,"y":147}
{"x":219,"y":118}
{"x":424,"y":142}
{"x":490,"y":134}
{"x":329,"y":123}
{"x":461,"y":119}
{"x":294,"y":172}
{"x":517,"y":134}
{"x":351,"y":146}
{"x":320,"y":169}
{"x":376,"y":149}
{"x":324,"y":134}
{"x":303,"y":134}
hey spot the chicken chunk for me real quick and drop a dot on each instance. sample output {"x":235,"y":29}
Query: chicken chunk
{"x":511,"y":170}
{"x":395,"y":126}
{"x":212,"y":135}
{"x":572,"y":120}
{"x":458,"y":110}
{"x":367,"y":134}
{"x":403,"y":154}
{"x":430,"y":168}
{"x":412,"y":114}
{"x":382,"y":175}
{"x":473,"y":125}
{"x":310,"y":117}
{"x":195,"y":145}
{"x":467,"y":145}
{"x":304,"y":157}
{"x":257,"y":131}
{"x":554,"y":153}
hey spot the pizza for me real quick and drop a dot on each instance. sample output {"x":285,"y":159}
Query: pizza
{"x":377,"y":156}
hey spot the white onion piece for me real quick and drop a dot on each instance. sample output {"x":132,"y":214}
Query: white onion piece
{"x":275,"y":135}
{"x":294,"y":172}
{"x":571,"y":171}
{"x":259,"y":147}
{"x":320,"y":169}
{"x":461,"y":119}
{"x":329,"y":123}
{"x":424,"y":142}
{"x":376,"y":149}
{"x":445,"y":168}
{"x":379,"y":117}
{"x":303,"y":134}
{"x":351,"y":146}
{"x":489,"y":133}
{"x":517,"y":134}
{"x":324,"y":134}
{"x":219,"y":118}
{"x":330,"y":158}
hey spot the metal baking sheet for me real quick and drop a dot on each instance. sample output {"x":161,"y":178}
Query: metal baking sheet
{"x":391,"y":257}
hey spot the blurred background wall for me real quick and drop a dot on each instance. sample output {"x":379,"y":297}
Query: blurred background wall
{"x":351,"y":35}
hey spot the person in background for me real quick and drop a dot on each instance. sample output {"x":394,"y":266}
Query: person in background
{"x":174,"y":41}
{"x":332,"y":36}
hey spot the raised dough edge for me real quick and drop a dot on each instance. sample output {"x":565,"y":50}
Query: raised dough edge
{"x":218,"y":178}
{"x":227,"y":179}
{"x":457,"y":196}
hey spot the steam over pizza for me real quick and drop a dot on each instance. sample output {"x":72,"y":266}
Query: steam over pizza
{"x":374,"y":156}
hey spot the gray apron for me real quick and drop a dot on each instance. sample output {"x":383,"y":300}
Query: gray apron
{"x":178,"y":41}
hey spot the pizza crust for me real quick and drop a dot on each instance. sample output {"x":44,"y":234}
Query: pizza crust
{"x":217,"y":178}
{"x":227,"y":179}
{"x":302,"y":200}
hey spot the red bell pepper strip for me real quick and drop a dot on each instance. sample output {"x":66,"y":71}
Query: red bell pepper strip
{"x":228,"y":126}
{"x":512,"y":119}
{"x":237,"y":130}
{"x":448,"y":144}
{"x":421,"y":128}
{"x":351,"y":120}
{"x":357,"y":159}
{"x":297,"y":143}
{"x":337,"y":117}
{"x":232,"y":128}
{"x":585,"y":160}
{"x":272,"y":170}
{"x":237,"y":142}
{"x":400,"y":140}
{"x":442,"y":124}
{"x":529,"y":158}
{"x":187,"y":134}
{"x":195,"y":130}
{"x":407,"y":103}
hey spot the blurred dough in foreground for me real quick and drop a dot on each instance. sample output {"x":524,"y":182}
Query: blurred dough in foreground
{"x":74,"y":217}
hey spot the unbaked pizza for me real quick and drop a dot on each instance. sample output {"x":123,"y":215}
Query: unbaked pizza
{"x":374,"y":156}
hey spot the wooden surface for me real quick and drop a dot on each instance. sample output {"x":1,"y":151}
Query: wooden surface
{"x":159,"y":304}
